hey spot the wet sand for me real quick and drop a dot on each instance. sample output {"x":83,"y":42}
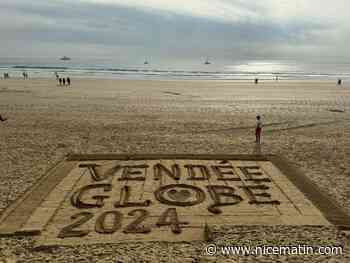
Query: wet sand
{"x":307,"y":122}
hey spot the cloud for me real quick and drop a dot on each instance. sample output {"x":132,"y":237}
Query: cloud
{"x":220,"y":9}
{"x":175,"y":29}
{"x":233,"y":10}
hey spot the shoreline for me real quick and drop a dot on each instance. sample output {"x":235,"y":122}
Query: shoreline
{"x":248,"y":81}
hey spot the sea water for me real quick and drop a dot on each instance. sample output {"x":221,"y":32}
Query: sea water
{"x":236,"y":70}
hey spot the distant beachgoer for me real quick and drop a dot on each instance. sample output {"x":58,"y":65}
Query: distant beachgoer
{"x":68,"y":81}
{"x":258,"y":129}
{"x":57,"y":76}
{"x":60,"y":80}
{"x":339,"y":81}
{"x":64,"y":81}
{"x":256,"y":81}
{"x":24,"y":75}
{"x":2,"y":119}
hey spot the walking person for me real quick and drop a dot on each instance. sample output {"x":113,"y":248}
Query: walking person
{"x":68,"y":81}
{"x":64,"y":81}
{"x":258,"y":129}
{"x":60,"y":81}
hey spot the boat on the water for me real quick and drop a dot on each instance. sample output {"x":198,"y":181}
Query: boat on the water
{"x":65,"y":58}
{"x":207,"y":62}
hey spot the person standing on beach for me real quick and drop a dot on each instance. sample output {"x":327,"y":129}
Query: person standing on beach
{"x":68,"y":81}
{"x":64,"y":81}
{"x":2,"y":119}
{"x":258,"y":129}
{"x":60,"y":81}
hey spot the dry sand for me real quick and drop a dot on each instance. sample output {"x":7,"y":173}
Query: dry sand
{"x":307,"y":122}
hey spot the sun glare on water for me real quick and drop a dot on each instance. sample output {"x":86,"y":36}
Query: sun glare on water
{"x":264,"y":67}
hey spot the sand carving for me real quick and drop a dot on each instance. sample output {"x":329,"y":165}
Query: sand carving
{"x":160,"y":199}
{"x":178,"y":195}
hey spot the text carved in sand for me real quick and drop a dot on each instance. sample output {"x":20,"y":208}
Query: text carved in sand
{"x":169,"y":199}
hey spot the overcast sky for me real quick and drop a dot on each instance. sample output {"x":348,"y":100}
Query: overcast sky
{"x":176,"y":30}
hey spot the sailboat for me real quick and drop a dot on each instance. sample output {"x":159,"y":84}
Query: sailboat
{"x":207,"y":61}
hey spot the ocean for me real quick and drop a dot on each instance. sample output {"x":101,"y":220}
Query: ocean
{"x":237,"y":70}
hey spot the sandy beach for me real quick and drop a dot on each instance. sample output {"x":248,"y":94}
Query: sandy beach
{"x":307,"y":122}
